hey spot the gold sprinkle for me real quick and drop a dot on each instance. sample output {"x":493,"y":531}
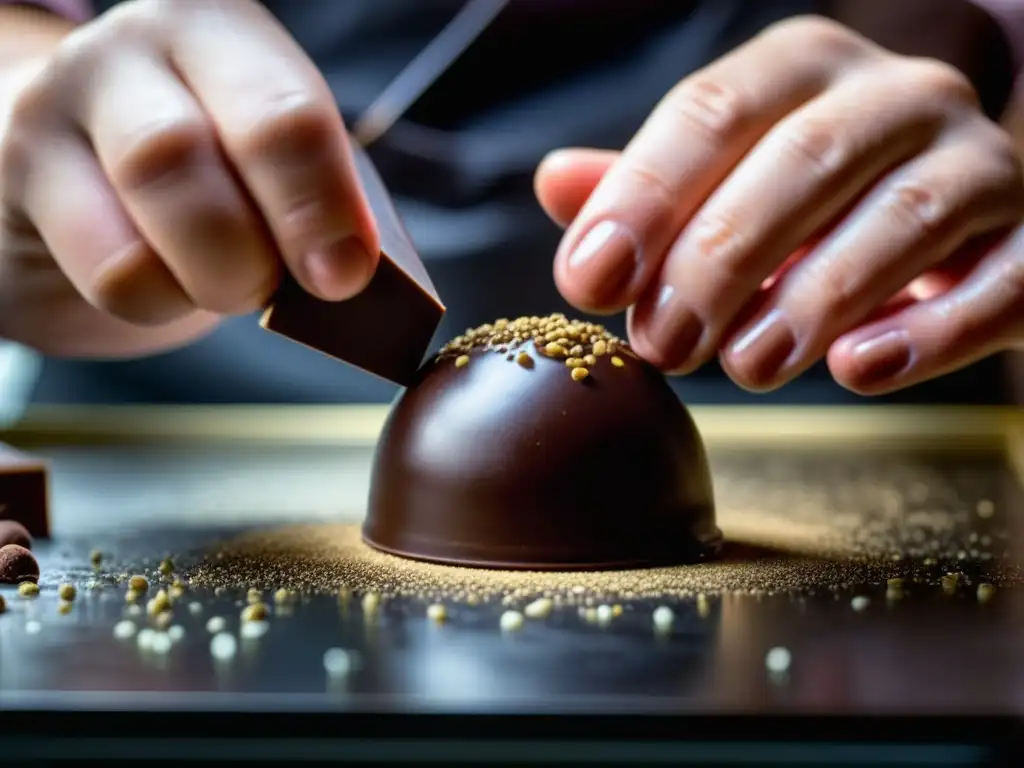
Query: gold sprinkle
{"x":554,"y":350}
{"x":163,"y":620}
{"x":524,"y":360}
{"x":589,"y":360}
{"x":254,"y":596}
{"x":159,"y":603}
{"x":139,"y":583}
{"x":254,"y":612}
{"x":96,"y":558}
{"x":283,"y":597}
{"x":462,"y":361}
{"x":985,"y":509}
{"x":600,"y":347}
{"x":132,"y":596}
{"x":177,"y":590}
{"x":166,"y":567}
{"x":895,"y":582}
{"x":617,"y":361}
{"x":28,"y":589}
{"x":985,"y":592}
{"x":67,"y":592}
{"x":437,"y":612}
{"x":64,"y":607}
{"x":579,"y":374}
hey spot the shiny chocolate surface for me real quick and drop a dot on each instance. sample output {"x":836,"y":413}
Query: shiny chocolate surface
{"x":494,"y":463}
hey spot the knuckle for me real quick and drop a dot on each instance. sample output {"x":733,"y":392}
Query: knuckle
{"x":838,"y":287}
{"x":819,"y":35}
{"x":919,"y":208}
{"x":156,"y":153}
{"x":291,"y":126}
{"x":119,"y":286}
{"x":662,"y":193}
{"x":718,"y":239}
{"x":817,"y":146}
{"x":937,"y":80}
{"x":712,"y":108}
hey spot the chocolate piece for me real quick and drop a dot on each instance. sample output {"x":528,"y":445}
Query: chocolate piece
{"x":17,"y":564}
{"x":13,"y":532}
{"x":24,"y":496}
{"x":385,"y":330}
{"x":541,"y":444}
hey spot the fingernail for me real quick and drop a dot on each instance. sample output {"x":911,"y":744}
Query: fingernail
{"x":882,"y":357}
{"x":673,"y":330}
{"x":605,"y":262}
{"x":340,"y":270}
{"x":763,"y":350}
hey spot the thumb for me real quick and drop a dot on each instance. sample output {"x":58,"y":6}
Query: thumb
{"x":565,"y":179}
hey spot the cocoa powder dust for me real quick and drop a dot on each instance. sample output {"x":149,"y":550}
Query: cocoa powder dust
{"x":796,"y":524}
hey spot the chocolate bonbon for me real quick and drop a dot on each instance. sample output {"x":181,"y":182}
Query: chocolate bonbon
{"x":541,"y":443}
{"x":387,"y":328}
{"x":13,"y":532}
{"x":17,"y":565}
{"x":24,"y":495}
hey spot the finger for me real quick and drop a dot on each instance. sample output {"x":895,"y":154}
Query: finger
{"x":281,"y":127}
{"x":78,"y":215}
{"x":691,"y":141}
{"x":819,"y":159}
{"x":162,"y":155}
{"x":565,"y":179}
{"x":980,"y":316}
{"x":915,"y":219}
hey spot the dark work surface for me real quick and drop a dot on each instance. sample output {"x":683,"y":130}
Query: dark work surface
{"x":929,"y":655}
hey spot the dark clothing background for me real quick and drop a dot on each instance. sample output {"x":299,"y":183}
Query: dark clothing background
{"x":547,"y":74}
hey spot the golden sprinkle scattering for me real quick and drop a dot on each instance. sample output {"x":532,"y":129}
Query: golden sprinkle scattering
{"x":64,"y":607}
{"x":462,"y":361}
{"x":254,"y":612}
{"x":132,"y":596}
{"x":67,"y":592}
{"x":254,"y":596}
{"x":437,"y":612}
{"x":139,"y":583}
{"x":579,"y":374}
{"x":96,"y":558}
{"x":163,"y":620}
{"x":28,"y":589}
{"x":166,"y":566}
{"x":985,"y":592}
{"x":524,"y":360}
{"x":159,"y":603}
{"x":797,"y":525}
{"x":283,"y":597}
{"x":617,"y":361}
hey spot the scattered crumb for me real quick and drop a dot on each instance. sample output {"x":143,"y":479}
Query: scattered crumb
{"x":216,"y":625}
{"x":124,"y":629}
{"x":511,"y":621}
{"x":860,"y":603}
{"x":223,"y":646}
{"x":337,"y":662}
{"x":540,"y":608}
{"x":663,"y":617}
{"x":777,"y":660}
{"x":437,"y":612}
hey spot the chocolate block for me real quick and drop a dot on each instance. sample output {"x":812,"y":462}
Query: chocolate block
{"x":24,"y":495}
{"x":541,"y":444}
{"x":385,"y":330}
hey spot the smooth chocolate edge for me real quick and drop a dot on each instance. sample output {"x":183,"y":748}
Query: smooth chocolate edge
{"x":703,"y":550}
{"x":290,"y":292}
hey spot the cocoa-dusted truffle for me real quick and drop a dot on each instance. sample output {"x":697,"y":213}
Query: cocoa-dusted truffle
{"x":541,"y":443}
{"x":17,"y":564}
{"x":13,"y":532}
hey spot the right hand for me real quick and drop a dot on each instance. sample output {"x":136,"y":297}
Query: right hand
{"x":158,"y":172}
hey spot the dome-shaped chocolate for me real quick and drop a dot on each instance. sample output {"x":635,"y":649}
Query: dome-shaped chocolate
{"x":541,"y":443}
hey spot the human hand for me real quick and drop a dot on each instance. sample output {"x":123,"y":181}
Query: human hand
{"x":161,"y":169}
{"x":810,"y":194}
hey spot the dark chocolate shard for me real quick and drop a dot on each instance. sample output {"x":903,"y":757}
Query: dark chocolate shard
{"x":24,"y":495}
{"x":386,"y":330}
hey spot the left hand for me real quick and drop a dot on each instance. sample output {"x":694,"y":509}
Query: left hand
{"x":810,"y":194}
